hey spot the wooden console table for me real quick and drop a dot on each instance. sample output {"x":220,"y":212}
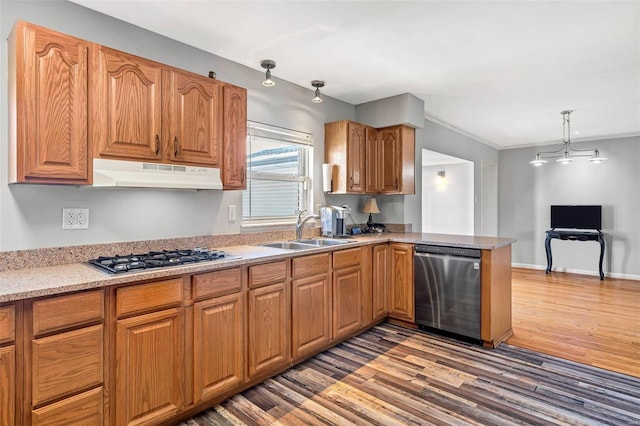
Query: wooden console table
{"x":574,"y":235}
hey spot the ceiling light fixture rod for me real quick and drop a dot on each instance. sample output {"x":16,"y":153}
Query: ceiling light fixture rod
{"x":566,"y":157}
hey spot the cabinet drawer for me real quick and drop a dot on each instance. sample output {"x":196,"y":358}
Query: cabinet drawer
{"x":83,"y":409}
{"x":347,"y":257}
{"x":66,"y":363}
{"x":217,"y":283}
{"x":268,"y":273}
{"x":146,"y":297}
{"x":58,"y":313}
{"x":7,"y":324}
{"x":309,"y":265}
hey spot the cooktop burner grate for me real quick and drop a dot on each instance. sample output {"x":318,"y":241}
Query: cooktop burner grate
{"x":157,"y":259}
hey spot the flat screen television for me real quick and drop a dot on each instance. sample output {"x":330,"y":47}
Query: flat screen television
{"x":576,"y":217}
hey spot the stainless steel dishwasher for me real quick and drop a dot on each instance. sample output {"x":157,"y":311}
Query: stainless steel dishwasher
{"x":447,"y":289}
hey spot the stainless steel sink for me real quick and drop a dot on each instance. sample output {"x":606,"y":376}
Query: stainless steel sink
{"x":323,"y":241}
{"x":289,"y":245}
{"x":307,"y":243}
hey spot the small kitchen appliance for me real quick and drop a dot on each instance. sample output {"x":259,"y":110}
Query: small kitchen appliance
{"x":333,"y":220}
{"x":157,"y":259}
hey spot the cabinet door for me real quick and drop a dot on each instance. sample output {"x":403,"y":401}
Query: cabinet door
{"x":311,"y":314}
{"x":390,"y":164}
{"x":234,"y":138}
{"x":7,"y":385}
{"x":347,"y":301}
{"x":51,"y":84}
{"x":149,"y":357}
{"x":401,"y":292}
{"x":127,"y":106}
{"x":193,"y":121}
{"x":268,"y":332}
{"x":355,"y":157}
{"x":218,"y":345}
{"x":373,"y":165}
{"x":380,"y":281}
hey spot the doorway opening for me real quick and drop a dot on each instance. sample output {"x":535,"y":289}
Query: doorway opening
{"x":447,"y":194}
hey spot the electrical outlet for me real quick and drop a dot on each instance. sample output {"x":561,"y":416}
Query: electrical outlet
{"x":75,"y":218}
{"x":232,"y":213}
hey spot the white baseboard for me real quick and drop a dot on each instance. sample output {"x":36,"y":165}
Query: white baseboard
{"x":577,"y":271}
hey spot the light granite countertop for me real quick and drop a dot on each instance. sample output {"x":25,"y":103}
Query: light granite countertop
{"x":58,"y":279}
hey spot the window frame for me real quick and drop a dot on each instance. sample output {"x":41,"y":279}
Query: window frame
{"x":285,"y":137}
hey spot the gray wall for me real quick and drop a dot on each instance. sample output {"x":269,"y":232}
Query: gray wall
{"x":31,"y":215}
{"x":526,"y":193}
{"x":436,"y":137}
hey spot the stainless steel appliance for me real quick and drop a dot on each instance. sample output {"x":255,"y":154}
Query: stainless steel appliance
{"x":447,"y":289}
{"x":157,"y":259}
{"x":333,"y":220}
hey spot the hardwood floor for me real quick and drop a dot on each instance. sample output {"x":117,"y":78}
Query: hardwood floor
{"x":578,"y":317}
{"x":391,"y":375}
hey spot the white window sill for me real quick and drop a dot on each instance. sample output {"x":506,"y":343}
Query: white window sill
{"x":274,"y":226}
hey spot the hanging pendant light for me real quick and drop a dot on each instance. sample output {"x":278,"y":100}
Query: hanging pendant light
{"x":317,"y":84}
{"x":566,"y":153}
{"x":268,"y":64}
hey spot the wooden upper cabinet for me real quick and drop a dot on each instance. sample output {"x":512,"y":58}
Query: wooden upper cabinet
{"x":48,"y":74}
{"x":396,"y":160}
{"x":373,"y":175}
{"x":369,"y":160}
{"x":127,"y":106}
{"x":344,"y":147}
{"x":193,"y":117}
{"x":234,"y":137}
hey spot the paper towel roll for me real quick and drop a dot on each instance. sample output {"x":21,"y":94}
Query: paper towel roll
{"x":327,"y":177}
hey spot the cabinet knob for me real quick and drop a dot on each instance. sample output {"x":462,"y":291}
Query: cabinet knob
{"x":176,"y":146}
{"x":157,"y":144}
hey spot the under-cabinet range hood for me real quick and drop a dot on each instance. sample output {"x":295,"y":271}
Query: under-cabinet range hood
{"x":133,"y":174}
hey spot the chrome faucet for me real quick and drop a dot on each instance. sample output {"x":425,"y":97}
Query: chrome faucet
{"x":300,"y":222}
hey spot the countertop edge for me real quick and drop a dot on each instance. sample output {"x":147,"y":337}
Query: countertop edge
{"x":32,"y":283}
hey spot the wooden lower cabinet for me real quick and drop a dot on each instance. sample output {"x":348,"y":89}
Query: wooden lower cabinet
{"x":347,"y":301}
{"x":66,"y":363}
{"x":149,"y":367}
{"x":268,"y":328}
{"x":8,"y":385}
{"x":218,"y":345}
{"x":380,"y":281}
{"x":81,"y":409}
{"x":401,"y":290}
{"x":8,"y":365}
{"x":347,"y":292}
{"x":310,"y":314}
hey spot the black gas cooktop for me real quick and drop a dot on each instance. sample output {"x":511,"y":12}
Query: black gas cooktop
{"x":157,"y":259}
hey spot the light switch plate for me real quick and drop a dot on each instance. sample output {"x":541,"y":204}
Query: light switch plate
{"x":232,"y":213}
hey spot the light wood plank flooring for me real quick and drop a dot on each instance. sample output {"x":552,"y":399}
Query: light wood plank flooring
{"x":578,"y":317}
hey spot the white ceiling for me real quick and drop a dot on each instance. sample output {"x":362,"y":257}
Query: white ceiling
{"x":500,"y":71}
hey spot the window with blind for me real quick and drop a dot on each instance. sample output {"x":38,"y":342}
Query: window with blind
{"x":278,"y":163}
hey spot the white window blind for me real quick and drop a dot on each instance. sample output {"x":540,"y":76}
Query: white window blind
{"x":278,"y":163}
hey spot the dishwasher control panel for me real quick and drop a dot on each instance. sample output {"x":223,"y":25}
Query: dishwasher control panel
{"x":454,"y":251}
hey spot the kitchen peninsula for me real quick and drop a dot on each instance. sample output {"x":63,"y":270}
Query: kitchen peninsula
{"x":272,"y":307}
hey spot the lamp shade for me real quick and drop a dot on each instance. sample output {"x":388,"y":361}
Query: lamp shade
{"x":371,"y":206}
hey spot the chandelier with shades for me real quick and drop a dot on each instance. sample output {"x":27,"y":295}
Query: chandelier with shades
{"x":566,"y":153}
